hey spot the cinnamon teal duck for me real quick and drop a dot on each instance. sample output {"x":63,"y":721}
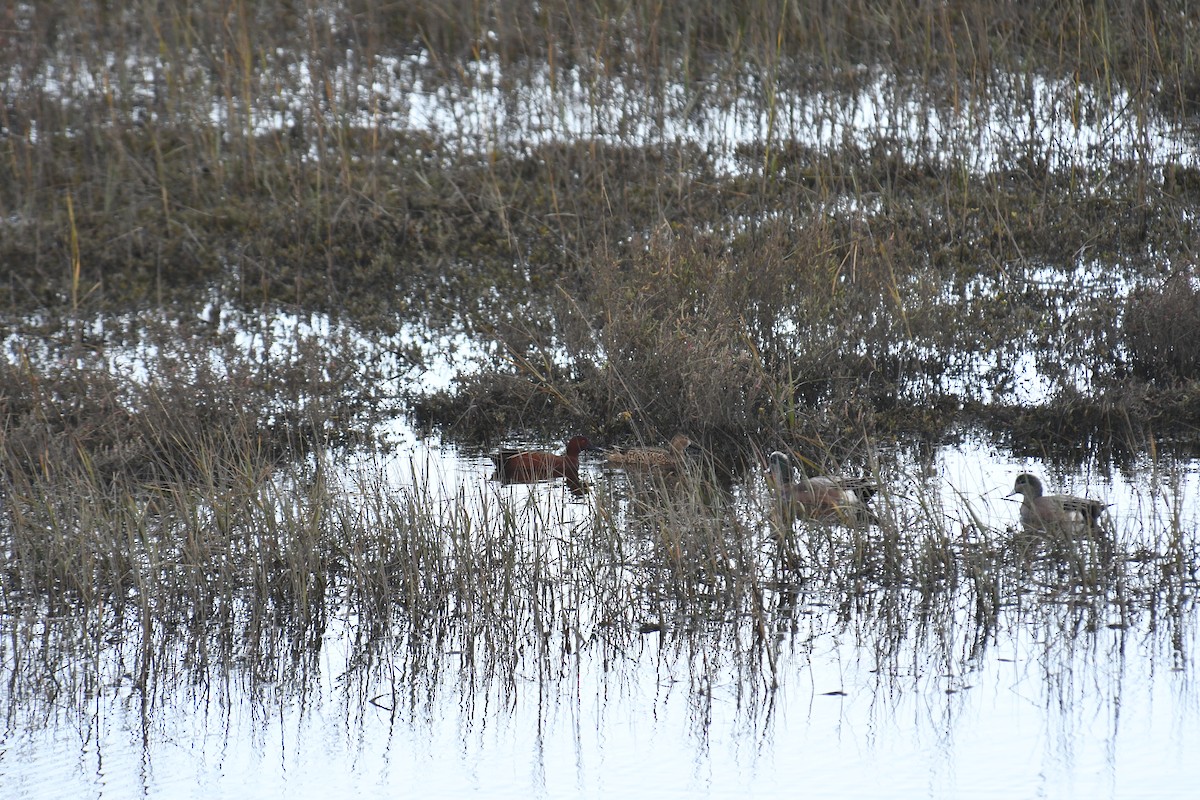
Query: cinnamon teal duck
{"x":530,"y":466}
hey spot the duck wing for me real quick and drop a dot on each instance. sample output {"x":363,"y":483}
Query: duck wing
{"x":851,"y":490}
{"x":1087,"y":510}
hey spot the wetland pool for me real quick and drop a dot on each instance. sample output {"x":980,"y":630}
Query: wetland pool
{"x":1053,"y":697}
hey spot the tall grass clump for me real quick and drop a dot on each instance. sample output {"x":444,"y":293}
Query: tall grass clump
{"x":1158,"y":329}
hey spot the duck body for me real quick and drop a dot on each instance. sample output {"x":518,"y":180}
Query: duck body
{"x":820,"y":497}
{"x":530,"y":466}
{"x":1043,"y":513}
{"x":669,"y":457}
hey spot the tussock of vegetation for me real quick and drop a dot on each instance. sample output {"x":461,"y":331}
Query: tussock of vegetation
{"x":193,"y":393}
{"x":1160,"y":326}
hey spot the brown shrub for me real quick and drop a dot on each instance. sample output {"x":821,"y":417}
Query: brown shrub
{"x":1160,"y":329}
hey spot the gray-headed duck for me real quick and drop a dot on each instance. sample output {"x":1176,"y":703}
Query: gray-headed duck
{"x":1055,"y":512}
{"x":820,"y":497}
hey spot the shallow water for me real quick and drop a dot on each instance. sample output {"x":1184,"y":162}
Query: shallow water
{"x":1081,"y":725}
{"x":1050,"y":701}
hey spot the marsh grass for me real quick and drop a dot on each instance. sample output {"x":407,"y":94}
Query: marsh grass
{"x":184,"y":519}
{"x":243,"y":567}
{"x":150,"y":155}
